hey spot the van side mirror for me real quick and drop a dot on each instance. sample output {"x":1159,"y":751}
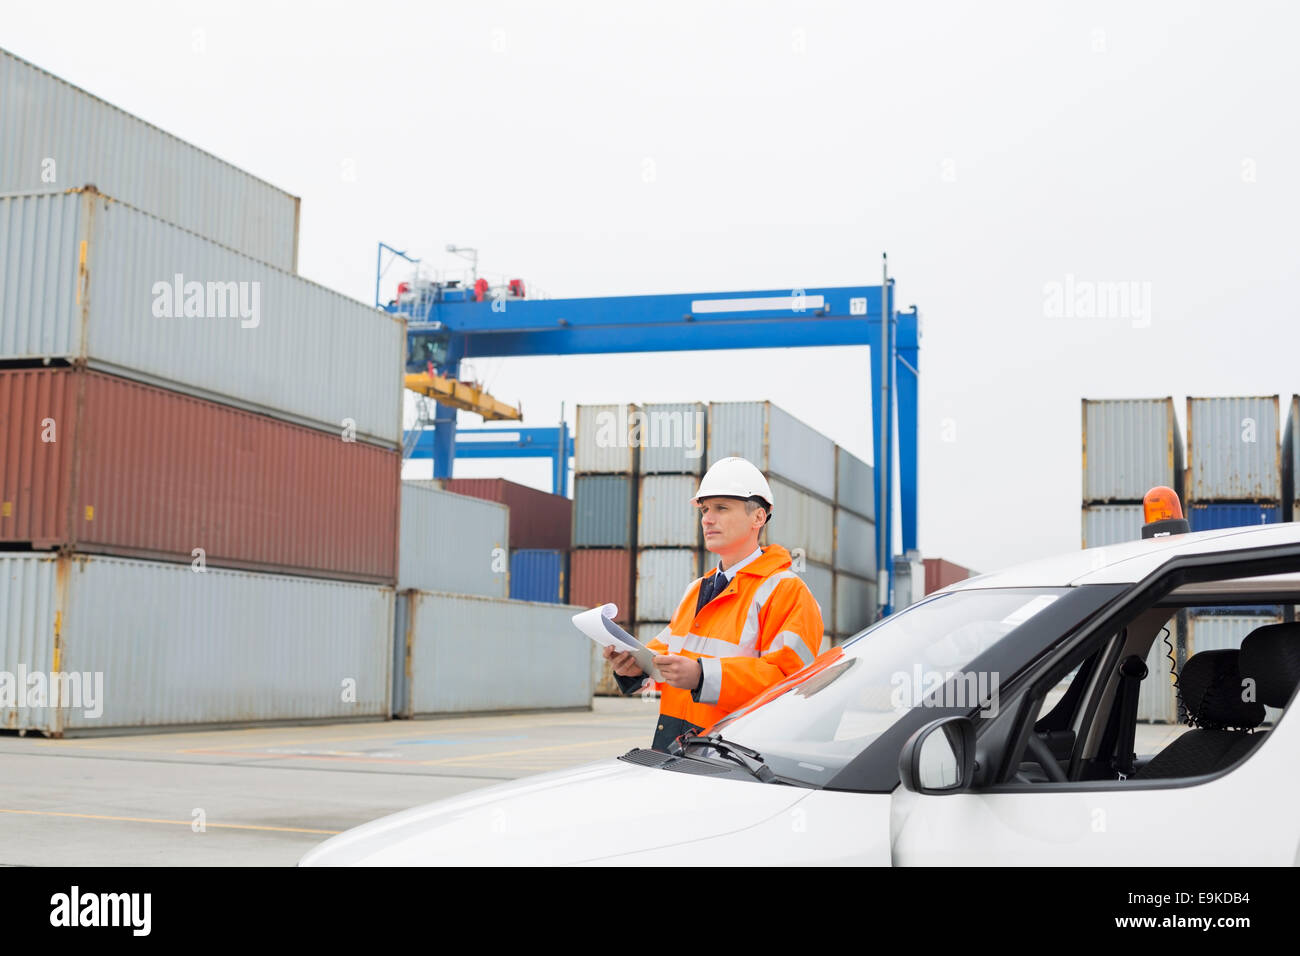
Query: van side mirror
{"x":940,"y":757}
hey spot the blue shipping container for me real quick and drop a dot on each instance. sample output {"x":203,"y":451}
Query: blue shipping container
{"x":538,"y":575}
{"x":1212,"y":517}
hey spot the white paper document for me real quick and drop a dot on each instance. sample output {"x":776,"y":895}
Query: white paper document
{"x":598,"y":624}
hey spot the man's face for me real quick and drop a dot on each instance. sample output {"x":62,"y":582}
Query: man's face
{"x":725,"y":523}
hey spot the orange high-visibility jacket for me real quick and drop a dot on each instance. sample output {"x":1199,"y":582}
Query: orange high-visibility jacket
{"x":764,"y":626}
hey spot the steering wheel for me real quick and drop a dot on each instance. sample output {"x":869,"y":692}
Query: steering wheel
{"x":1043,"y":756}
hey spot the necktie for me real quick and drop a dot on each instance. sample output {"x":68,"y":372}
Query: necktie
{"x":710,"y":588}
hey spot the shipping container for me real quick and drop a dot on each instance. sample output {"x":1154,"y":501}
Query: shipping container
{"x":821,"y":582}
{"x":1291,"y":451}
{"x":604,"y":511}
{"x":1218,"y":632}
{"x":662,"y":577}
{"x":673,"y":438}
{"x":1233,"y":450}
{"x":801,"y":523}
{"x":453,"y":543}
{"x":647,"y":631}
{"x":163,"y":645}
{"x":602,"y":576}
{"x":855,"y":544}
{"x":1106,"y":525}
{"x":1129,"y":447}
{"x":56,"y":135}
{"x":776,"y":442}
{"x":472,"y":654}
{"x":537,"y":575}
{"x":1212,"y":517}
{"x":538,"y":520}
{"x":855,"y":485}
{"x":665,"y":516}
{"x":84,"y":278}
{"x":855,"y":604}
{"x":908,"y":581}
{"x":101,"y":464}
{"x":606,"y":440}
{"x":940,"y":573}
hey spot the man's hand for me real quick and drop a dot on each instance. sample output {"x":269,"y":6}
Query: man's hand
{"x":678,"y":671}
{"x":624,"y":663}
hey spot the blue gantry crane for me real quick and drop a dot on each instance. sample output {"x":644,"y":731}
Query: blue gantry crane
{"x":448,"y":323}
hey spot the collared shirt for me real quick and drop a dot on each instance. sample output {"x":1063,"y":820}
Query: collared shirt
{"x":731,"y":571}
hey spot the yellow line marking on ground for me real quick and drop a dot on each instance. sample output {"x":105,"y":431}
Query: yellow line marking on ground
{"x":183,"y":823}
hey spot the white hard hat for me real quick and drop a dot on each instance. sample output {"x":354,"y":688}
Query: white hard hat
{"x":734,"y":478}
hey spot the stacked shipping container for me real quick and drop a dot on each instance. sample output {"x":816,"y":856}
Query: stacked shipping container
{"x":855,"y":546}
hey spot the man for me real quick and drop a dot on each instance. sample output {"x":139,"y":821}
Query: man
{"x":747,"y":624}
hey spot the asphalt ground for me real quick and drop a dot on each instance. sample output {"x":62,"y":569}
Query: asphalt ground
{"x":263,"y":796}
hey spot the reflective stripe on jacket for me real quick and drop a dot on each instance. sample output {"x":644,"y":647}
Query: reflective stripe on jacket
{"x":764,"y":626}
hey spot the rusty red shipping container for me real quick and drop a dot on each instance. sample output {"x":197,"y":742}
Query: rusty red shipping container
{"x":104,"y":465}
{"x":602,"y":576}
{"x":940,"y":573}
{"x":538,"y":521}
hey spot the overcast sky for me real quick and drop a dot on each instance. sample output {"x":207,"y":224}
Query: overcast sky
{"x":992,"y":150}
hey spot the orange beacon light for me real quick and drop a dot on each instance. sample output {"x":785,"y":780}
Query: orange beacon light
{"x":1163,"y":513}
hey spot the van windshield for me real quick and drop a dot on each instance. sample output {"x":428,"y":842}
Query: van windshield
{"x":814,"y":722}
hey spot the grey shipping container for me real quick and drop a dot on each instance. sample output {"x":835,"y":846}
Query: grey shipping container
{"x":855,"y":485}
{"x":160,"y":645}
{"x":821,"y":582}
{"x":453,"y":543}
{"x":1291,"y":451}
{"x":55,"y":135}
{"x":1105,"y":525}
{"x":604,"y":440}
{"x":673,"y":437}
{"x":1218,"y":632}
{"x":909,"y":580}
{"x":84,"y":278}
{"x":801,"y":523}
{"x":1157,"y":701}
{"x":855,"y":604}
{"x":603,"y":511}
{"x":662,"y":576}
{"x":475,"y":654}
{"x":1233,"y":450}
{"x":855,"y":544}
{"x":776,"y":442}
{"x":1129,"y":447}
{"x":665,"y":516}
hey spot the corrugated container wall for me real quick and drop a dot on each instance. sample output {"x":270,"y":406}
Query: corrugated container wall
{"x":1130,"y":446}
{"x":522,"y":656}
{"x":1105,"y":525}
{"x":855,"y":485}
{"x":1233,"y":449}
{"x":662,"y":576}
{"x":801,"y":521}
{"x":538,"y":520}
{"x":85,"y":277}
{"x":453,"y":543}
{"x":537,"y":575}
{"x":55,"y":135}
{"x":940,"y":573}
{"x":821,"y":582}
{"x":665,"y":516}
{"x":855,"y":544}
{"x":855,"y":605}
{"x":673,"y":438}
{"x":774,"y":441}
{"x":908,"y":580}
{"x":602,"y":576}
{"x":1291,"y":450}
{"x":175,"y":647}
{"x":602,"y":443}
{"x":603,"y":512}
{"x":1203,"y":517}
{"x":1157,"y":698}
{"x":97,"y":463}
{"x":1220,"y":632}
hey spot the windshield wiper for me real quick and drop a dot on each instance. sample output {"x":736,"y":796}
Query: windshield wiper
{"x":750,"y":759}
